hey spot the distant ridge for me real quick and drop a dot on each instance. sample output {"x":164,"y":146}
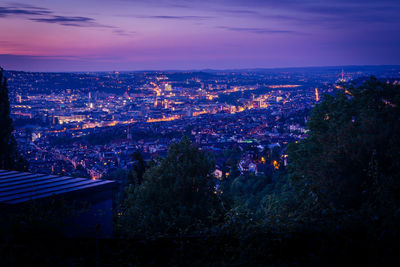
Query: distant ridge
{"x":208,"y":70}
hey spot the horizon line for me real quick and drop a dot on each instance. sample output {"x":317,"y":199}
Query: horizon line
{"x":212,"y":69}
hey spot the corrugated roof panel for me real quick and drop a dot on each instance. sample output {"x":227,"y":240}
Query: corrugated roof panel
{"x":13,"y":174}
{"x":8,"y":173}
{"x":18,"y":187}
{"x":37,"y":187}
{"x":33,"y":182}
{"x":21,"y":200}
{"x":38,"y":191}
{"x":35,"y":177}
{"x":6,"y":179}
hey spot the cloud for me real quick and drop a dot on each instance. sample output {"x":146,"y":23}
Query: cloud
{"x":71,"y":21}
{"x":22,"y":10}
{"x":256,"y":30}
{"x":121,"y":32}
{"x":40,"y":14}
{"x":44,"y":15}
{"x":167,"y":17}
{"x":327,"y":14}
{"x":238,"y":12}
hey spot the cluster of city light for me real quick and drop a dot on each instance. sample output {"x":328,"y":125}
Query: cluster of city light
{"x":156,"y":88}
{"x":71,"y":118}
{"x":174,"y":117}
{"x":284,"y":86}
{"x":211,"y":97}
{"x":237,"y":89}
{"x":198,"y":113}
{"x":234,"y":109}
{"x":29,"y":115}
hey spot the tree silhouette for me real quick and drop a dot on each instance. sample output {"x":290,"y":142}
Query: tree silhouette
{"x":350,"y":160}
{"x":176,"y":195}
{"x":9,"y":157}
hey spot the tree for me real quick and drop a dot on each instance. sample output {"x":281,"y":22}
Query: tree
{"x":350,"y":160}
{"x":248,"y":189}
{"x":9,"y":157}
{"x":176,"y":196}
{"x":139,"y":167}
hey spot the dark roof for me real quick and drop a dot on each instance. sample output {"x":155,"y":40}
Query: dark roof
{"x":18,"y":187}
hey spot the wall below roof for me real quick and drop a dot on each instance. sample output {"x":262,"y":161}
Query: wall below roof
{"x":86,"y":215}
{"x":94,"y":218}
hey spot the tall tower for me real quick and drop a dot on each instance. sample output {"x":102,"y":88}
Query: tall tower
{"x":19,"y":98}
{"x":316,"y":95}
{"x":90,"y":104}
{"x":155,"y":101}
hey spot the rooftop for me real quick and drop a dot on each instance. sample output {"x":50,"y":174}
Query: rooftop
{"x":18,"y":187}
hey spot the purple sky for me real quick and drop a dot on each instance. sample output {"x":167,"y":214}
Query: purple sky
{"x":102,"y":35}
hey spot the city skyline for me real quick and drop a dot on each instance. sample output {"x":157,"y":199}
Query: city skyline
{"x":95,"y":120}
{"x":164,"y":35}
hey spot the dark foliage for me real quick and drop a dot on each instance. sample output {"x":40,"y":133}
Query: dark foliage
{"x":9,"y":157}
{"x":176,"y":196}
{"x":348,"y":168}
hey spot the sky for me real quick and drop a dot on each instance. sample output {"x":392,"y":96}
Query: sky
{"x":107,"y":35}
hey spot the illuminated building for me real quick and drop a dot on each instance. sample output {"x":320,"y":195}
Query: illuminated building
{"x":285,"y":157}
{"x":168,"y":87}
{"x":71,"y":118}
{"x":35,"y":136}
{"x":90,"y":104}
